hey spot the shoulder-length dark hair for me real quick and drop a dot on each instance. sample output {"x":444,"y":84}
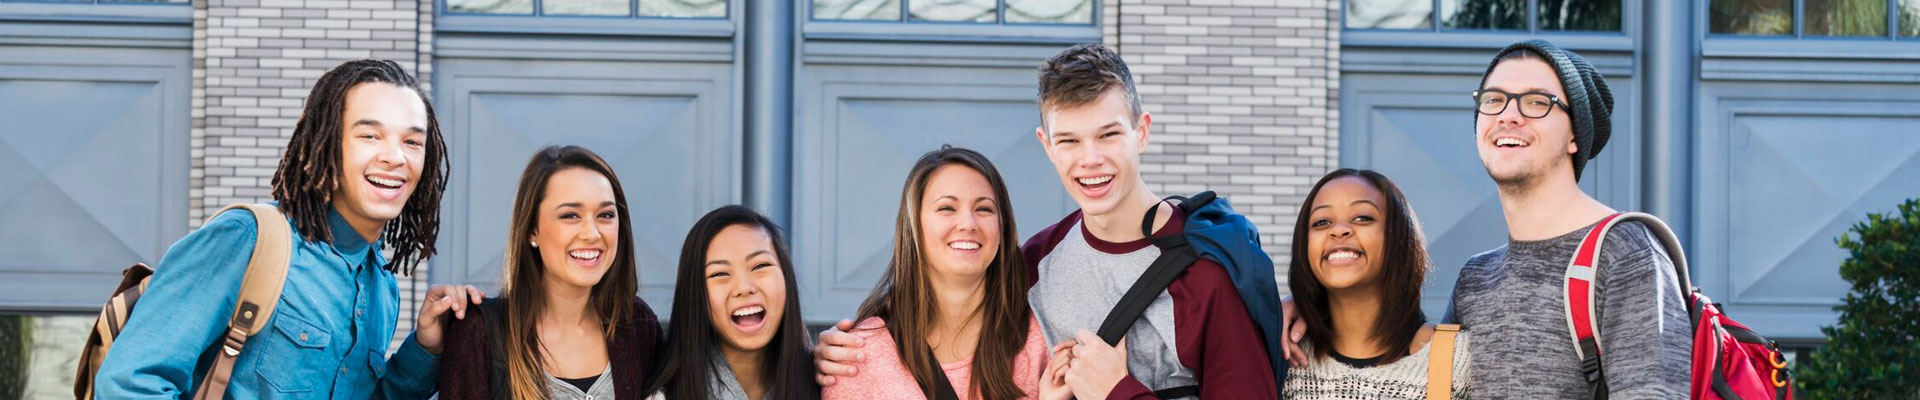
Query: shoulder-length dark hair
{"x":904,"y":296}
{"x":688,"y":365}
{"x":1404,"y":267}
{"x":610,"y":300}
{"x":310,"y":170}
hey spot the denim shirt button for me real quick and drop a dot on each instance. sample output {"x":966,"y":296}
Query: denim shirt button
{"x":303,"y":337}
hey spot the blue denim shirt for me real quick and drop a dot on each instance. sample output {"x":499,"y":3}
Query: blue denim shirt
{"x":327,"y":338}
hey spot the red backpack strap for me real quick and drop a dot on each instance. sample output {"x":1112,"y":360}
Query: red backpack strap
{"x":1581,"y":305}
{"x":1582,"y":280}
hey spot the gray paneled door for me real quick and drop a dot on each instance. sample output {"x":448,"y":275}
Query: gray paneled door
{"x":1416,"y":127}
{"x":93,"y":168}
{"x":666,"y":127}
{"x":1784,"y":169}
{"x":859,"y":130}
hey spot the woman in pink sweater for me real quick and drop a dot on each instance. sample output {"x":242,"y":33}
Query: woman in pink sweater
{"x":949,"y":317}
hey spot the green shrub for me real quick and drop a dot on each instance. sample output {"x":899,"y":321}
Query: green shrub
{"x":1874,"y":351}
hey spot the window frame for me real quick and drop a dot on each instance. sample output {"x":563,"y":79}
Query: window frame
{"x":96,"y":11}
{"x":1632,"y":13}
{"x":1800,"y":45}
{"x":632,"y":24}
{"x":906,"y":28}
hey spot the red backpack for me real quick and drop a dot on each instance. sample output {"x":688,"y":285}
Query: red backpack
{"x":1730,"y":361}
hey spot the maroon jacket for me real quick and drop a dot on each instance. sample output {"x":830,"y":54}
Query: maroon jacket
{"x":473,"y":365}
{"x":1212,"y":330}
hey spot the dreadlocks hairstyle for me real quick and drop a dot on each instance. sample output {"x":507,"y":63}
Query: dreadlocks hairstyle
{"x":310,"y":170}
{"x":1081,"y":75}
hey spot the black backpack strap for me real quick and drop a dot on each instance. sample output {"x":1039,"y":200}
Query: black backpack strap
{"x":1172,"y":262}
{"x":942,"y":388}
{"x":1178,"y":392}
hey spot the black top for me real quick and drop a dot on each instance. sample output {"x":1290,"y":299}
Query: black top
{"x":1357,"y":362}
{"x":583,"y":383}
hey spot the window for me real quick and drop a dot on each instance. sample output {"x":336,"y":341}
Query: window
{"x":169,"y":2}
{"x":602,"y":8}
{"x":1077,"y":12}
{"x":1815,"y":18}
{"x":1485,"y":15}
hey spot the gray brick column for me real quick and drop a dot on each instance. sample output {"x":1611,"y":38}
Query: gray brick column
{"x":1243,"y":94}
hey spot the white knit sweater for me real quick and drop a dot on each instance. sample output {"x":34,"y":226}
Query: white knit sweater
{"x":1405,"y":378}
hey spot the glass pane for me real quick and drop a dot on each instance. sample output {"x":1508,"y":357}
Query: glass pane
{"x":955,"y":10}
{"x":888,"y":10}
{"x":38,"y":354}
{"x":523,"y":7}
{"x":147,"y":1}
{"x":1910,"y":18}
{"x":1389,"y":14}
{"x":1579,"y":15}
{"x":1750,"y":17}
{"x":1050,"y":11}
{"x":1846,"y":17}
{"x":586,"y":7}
{"x":1485,"y":14}
{"x":684,"y":8}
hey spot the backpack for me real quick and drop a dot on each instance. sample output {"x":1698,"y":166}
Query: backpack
{"x":1730,"y":361}
{"x":259,"y":293}
{"x":1215,"y":232}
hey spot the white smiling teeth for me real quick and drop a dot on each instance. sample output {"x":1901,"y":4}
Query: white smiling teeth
{"x":748,"y":311}
{"x":385,"y":182}
{"x":1342,"y":256}
{"x":585,"y":254}
{"x":965,"y":245}
{"x":1509,"y":142}
{"x":1095,"y":181}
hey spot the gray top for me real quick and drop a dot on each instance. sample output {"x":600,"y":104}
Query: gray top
{"x":723,"y":386}
{"x":1079,"y":284}
{"x":602,"y":388}
{"x":1514,"y":295}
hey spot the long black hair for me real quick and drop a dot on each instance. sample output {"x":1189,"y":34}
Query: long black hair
{"x":687,"y":364}
{"x":310,"y":170}
{"x":1403,"y":268}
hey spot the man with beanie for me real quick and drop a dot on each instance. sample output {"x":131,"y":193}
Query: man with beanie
{"x":1540,"y":114}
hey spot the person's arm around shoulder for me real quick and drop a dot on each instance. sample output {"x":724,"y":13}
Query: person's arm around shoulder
{"x":413,"y":369}
{"x":181,"y":314}
{"x":1646,"y":343}
{"x":873,"y":335}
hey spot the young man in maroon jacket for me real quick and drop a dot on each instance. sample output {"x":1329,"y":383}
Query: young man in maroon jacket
{"x":1196,"y":335}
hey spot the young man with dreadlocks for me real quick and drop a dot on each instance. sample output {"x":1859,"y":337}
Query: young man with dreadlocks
{"x":363,"y":172}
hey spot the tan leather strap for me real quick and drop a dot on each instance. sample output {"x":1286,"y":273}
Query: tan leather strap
{"x":259,"y":292}
{"x":1440,"y":362}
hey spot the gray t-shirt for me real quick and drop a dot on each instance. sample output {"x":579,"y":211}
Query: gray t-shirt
{"x":1514,"y":296}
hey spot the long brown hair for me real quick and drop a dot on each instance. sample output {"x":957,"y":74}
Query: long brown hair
{"x":310,"y":169}
{"x":610,"y":300}
{"x":1403,"y":268}
{"x":904,"y":296}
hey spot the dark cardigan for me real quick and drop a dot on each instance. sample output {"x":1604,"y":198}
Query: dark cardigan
{"x":473,"y":366}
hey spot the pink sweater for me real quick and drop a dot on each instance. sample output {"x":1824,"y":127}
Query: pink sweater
{"x":885,"y":377}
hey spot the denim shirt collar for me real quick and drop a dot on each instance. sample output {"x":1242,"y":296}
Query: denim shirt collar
{"x":348,"y":243}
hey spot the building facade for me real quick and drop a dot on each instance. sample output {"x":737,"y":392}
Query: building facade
{"x":1760,"y":128}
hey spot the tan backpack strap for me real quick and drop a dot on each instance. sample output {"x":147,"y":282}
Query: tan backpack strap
{"x":1440,"y":362}
{"x":259,"y":293}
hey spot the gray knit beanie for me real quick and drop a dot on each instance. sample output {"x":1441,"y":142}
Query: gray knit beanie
{"x":1589,"y":102}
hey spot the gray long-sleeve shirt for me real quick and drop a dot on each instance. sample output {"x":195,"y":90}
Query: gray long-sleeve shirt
{"x":1512,"y":298}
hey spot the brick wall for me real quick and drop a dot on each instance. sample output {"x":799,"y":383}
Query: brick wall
{"x":254,"y":63}
{"x":1243,"y":95}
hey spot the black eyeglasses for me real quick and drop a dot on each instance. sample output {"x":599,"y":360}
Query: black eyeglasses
{"x":1532,"y":104}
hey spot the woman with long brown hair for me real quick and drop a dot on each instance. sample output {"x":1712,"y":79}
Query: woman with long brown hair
{"x":949,"y":317}
{"x":567,"y":324}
